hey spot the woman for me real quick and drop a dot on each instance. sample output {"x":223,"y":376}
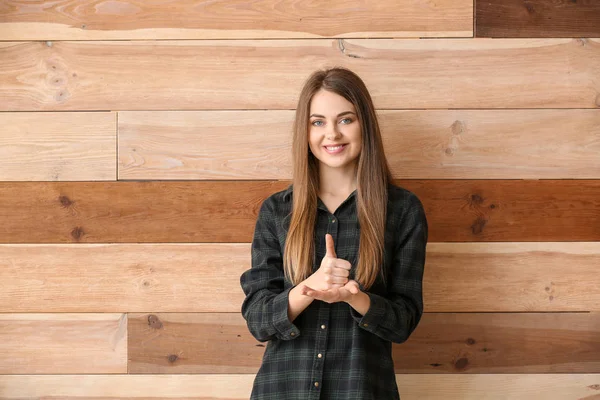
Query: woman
{"x":337,"y":257}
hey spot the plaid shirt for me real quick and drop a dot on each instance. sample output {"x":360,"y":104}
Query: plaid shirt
{"x":330,"y":351}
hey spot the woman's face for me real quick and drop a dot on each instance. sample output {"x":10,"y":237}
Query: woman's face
{"x":334,"y":134}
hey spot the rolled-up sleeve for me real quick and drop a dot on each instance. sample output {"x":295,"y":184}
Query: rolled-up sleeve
{"x":394,"y":316}
{"x":265,"y":307}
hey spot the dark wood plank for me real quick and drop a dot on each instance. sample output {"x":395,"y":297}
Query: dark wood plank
{"x":248,"y":74}
{"x":442,"y":343}
{"x":457,"y":210}
{"x":218,"y":343}
{"x":537,"y":18}
{"x":502,"y":343}
{"x":134,"y":212}
{"x":232,"y":19}
{"x":524,"y":210}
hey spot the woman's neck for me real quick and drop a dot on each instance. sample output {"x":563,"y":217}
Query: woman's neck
{"x":337,"y":181}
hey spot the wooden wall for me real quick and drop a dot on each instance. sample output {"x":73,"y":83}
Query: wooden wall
{"x":138,"y":140}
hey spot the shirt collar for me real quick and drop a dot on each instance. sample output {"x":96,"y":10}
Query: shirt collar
{"x":290,"y":189}
{"x":288,"y":193}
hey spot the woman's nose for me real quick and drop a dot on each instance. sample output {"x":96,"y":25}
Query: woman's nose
{"x":332,"y":133}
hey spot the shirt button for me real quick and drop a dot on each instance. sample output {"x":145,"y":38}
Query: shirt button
{"x":320,"y":355}
{"x":293,"y":334}
{"x":316,"y":384}
{"x":365,"y":325}
{"x":322,"y":326}
{"x":333,"y":220}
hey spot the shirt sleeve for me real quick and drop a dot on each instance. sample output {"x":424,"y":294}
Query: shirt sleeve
{"x":265,"y":307}
{"x":394,"y":316}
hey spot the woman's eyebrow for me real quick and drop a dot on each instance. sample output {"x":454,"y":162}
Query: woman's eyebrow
{"x":339,"y":115}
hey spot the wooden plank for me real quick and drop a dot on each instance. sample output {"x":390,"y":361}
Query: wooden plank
{"x":502,"y":343}
{"x":268,"y":74}
{"x":532,"y":211}
{"x":492,"y":277}
{"x":429,"y":144}
{"x":442,"y":343}
{"x":191,"y":343}
{"x":205,"y":144}
{"x":138,"y":212}
{"x":537,"y":18}
{"x":234,"y":19}
{"x":216,"y":212}
{"x":122,"y":278}
{"x":63,"y":343}
{"x":238,"y":387}
{"x":205,"y":277}
{"x":58,"y":146}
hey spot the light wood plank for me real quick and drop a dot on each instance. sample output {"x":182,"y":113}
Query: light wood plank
{"x":446,"y":342}
{"x":432,"y":144}
{"x":234,"y":19}
{"x":63,"y":343}
{"x":122,"y":278}
{"x":217,"y":212}
{"x":205,"y":277}
{"x":58,"y":146}
{"x":268,"y":74}
{"x":488,"y":277}
{"x":205,"y":144}
{"x":537,"y":18}
{"x":238,"y":387}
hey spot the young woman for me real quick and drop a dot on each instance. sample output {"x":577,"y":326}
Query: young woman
{"x":337,"y":257}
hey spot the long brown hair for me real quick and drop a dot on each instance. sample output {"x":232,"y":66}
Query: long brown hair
{"x":373,"y":176}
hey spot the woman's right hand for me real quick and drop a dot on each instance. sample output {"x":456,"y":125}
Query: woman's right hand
{"x":332,"y":273}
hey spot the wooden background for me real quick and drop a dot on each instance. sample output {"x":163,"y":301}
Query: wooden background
{"x":138,"y":140}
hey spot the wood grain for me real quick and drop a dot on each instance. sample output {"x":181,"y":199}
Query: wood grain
{"x":502,"y":343}
{"x":233,"y":19}
{"x":429,"y":144}
{"x":537,"y":18}
{"x":58,"y":146}
{"x":459,"y":277}
{"x":238,"y":387}
{"x":488,"y":277}
{"x":138,"y":212}
{"x":122,"y":278}
{"x":442,"y":343}
{"x":268,"y":74}
{"x":63,"y":343}
{"x":217,"y":212}
{"x":206,"y":343}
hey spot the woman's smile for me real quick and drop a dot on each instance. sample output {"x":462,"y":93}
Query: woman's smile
{"x":335,"y":149}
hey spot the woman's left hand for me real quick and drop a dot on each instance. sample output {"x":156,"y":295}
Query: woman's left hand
{"x":333,"y":295}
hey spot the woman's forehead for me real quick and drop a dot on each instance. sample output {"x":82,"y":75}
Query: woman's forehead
{"x":327,"y":103}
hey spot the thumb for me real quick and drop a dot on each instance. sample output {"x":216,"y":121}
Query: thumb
{"x":329,"y":246}
{"x":353,"y":287}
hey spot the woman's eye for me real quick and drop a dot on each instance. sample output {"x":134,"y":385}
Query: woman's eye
{"x":317,"y":123}
{"x":346,"y":121}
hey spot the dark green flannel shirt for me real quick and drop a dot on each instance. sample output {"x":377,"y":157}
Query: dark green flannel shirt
{"x":330,"y":351}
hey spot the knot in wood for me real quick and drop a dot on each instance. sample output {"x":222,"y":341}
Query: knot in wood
{"x":154,"y":322}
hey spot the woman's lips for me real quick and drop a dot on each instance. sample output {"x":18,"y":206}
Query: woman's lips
{"x":335,"y":149}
